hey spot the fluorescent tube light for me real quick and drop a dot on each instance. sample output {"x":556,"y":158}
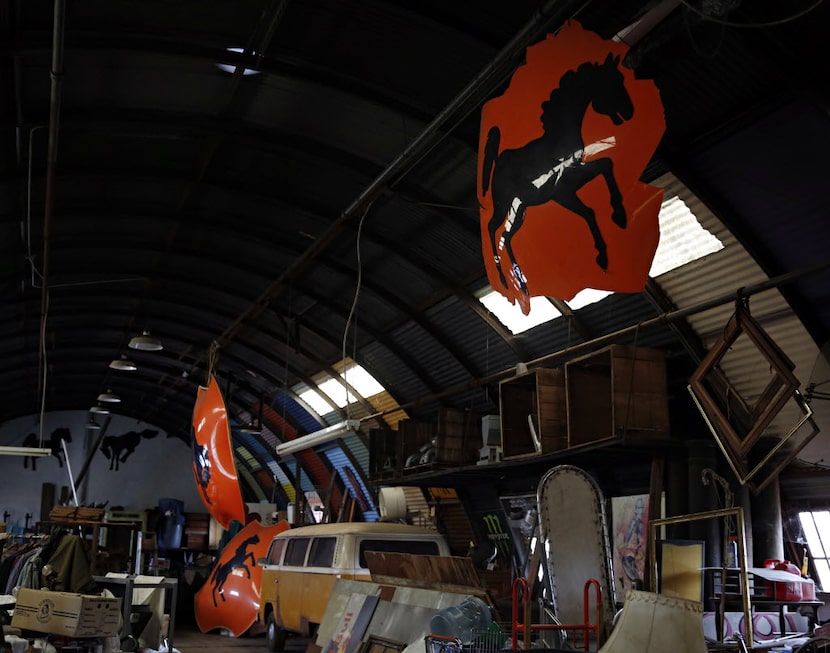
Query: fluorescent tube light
{"x":25,"y":451}
{"x":318,"y":437}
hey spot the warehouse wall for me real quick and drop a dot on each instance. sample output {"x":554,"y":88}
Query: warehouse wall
{"x":159,"y":467}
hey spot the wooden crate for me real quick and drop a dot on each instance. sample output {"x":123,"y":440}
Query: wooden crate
{"x":384,"y":460}
{"x":412,"y":436}
{"x":617,"y":393}
{"x":458,"y":437}
{"x":73,"y":513}
{"x":540,"y":394}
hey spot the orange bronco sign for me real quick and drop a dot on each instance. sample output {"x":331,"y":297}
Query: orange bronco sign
{"x":560,"y":156}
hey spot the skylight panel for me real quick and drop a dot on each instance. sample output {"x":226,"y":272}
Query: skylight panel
{"x":316,"y":402}
{"x":682,"y":238}
{"x":511,"y":316}
{"x":356,"y":376}
{"x":232,"y":69}
{"x":588,"y":296}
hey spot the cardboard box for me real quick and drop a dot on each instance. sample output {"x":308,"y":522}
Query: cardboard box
{"x":64,"y":613}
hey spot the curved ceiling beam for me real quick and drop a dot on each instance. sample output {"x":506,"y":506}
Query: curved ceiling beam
{"x":418,"y":316}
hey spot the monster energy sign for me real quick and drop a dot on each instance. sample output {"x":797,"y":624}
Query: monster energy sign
{"x":497,"y":533}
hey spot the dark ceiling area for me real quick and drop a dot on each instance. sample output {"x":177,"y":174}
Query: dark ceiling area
{"x":311,"y":196}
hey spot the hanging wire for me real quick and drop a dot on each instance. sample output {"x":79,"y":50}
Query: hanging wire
{"x":213,"y":359}
{"x":44,"y":369}
{"x":353,"y":307}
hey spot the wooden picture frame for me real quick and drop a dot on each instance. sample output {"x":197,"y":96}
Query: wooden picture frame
{"x":739,"y":423}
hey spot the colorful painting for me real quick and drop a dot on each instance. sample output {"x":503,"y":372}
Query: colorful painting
{"x":630,"y":521}
{"x":561,"y":153}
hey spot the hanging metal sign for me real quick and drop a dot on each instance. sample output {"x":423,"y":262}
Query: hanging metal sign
{"x":230,"y":598}
{"x":560,"y":156}
{"x":213,"y":464}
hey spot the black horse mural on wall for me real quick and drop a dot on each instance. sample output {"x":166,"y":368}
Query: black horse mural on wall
{"x":221,"y":572}
{"x":551,"y":168}
{"x":117,"y":448}
{"x":53,"y":443}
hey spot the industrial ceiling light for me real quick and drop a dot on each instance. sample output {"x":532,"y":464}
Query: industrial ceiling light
{"x":318,"y":437}
{"x":145,"y":342}
{"x":123,"y":363}
{"x":99,"y":410}
{"x":92,"y":425}
{"x":109,"y":397}
{"x":25,"y":451}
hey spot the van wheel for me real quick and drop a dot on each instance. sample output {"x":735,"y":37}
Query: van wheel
{"x":274,"y":635}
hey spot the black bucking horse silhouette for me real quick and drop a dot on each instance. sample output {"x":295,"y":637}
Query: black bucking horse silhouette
{"x":201,"y":467}
{"x":117,"y":448}
{"x":54,"y":443}
{"x":221,"y":572}
{"x":551,"y":167}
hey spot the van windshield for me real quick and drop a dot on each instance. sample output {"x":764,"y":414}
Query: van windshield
{"x":415,"y":547}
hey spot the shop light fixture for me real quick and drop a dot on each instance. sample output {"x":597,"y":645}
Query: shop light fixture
{"x":124,"y":364}
{"x":92,"y":425}
{"x":109,"y":397}
{"x":99,"y":410}
{"x":145,"y":342}
{"x":318,"y":437}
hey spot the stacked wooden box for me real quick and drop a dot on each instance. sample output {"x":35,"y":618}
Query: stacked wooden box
{"x":536,"y":397}
{"x":458,"y":437}
{"x":413,"y":438}
{"x":617,"y":393}
{"x":384,"y":454}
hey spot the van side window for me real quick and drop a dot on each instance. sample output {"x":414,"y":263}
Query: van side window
{"x":322,"y":552}
{"x":275,"y":552}
{"x":295,"y":551}
{"x":416,"y":547}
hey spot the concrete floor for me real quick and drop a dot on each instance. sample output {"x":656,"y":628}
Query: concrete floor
{"x":189,"y":639}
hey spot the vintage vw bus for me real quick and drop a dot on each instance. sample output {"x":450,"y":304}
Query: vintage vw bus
{"x":303,"y":563}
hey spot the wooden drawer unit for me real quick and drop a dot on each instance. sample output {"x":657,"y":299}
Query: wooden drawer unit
{"x":540,"y":395}
{"x":617,"y":393}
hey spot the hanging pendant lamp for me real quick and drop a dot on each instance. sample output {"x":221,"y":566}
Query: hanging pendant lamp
{"x":145,"y":342}
{"x":124,"y":364}
{"x":109,"y":397}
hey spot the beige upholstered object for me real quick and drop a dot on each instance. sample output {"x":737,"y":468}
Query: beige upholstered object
{"x":655,"y":623}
